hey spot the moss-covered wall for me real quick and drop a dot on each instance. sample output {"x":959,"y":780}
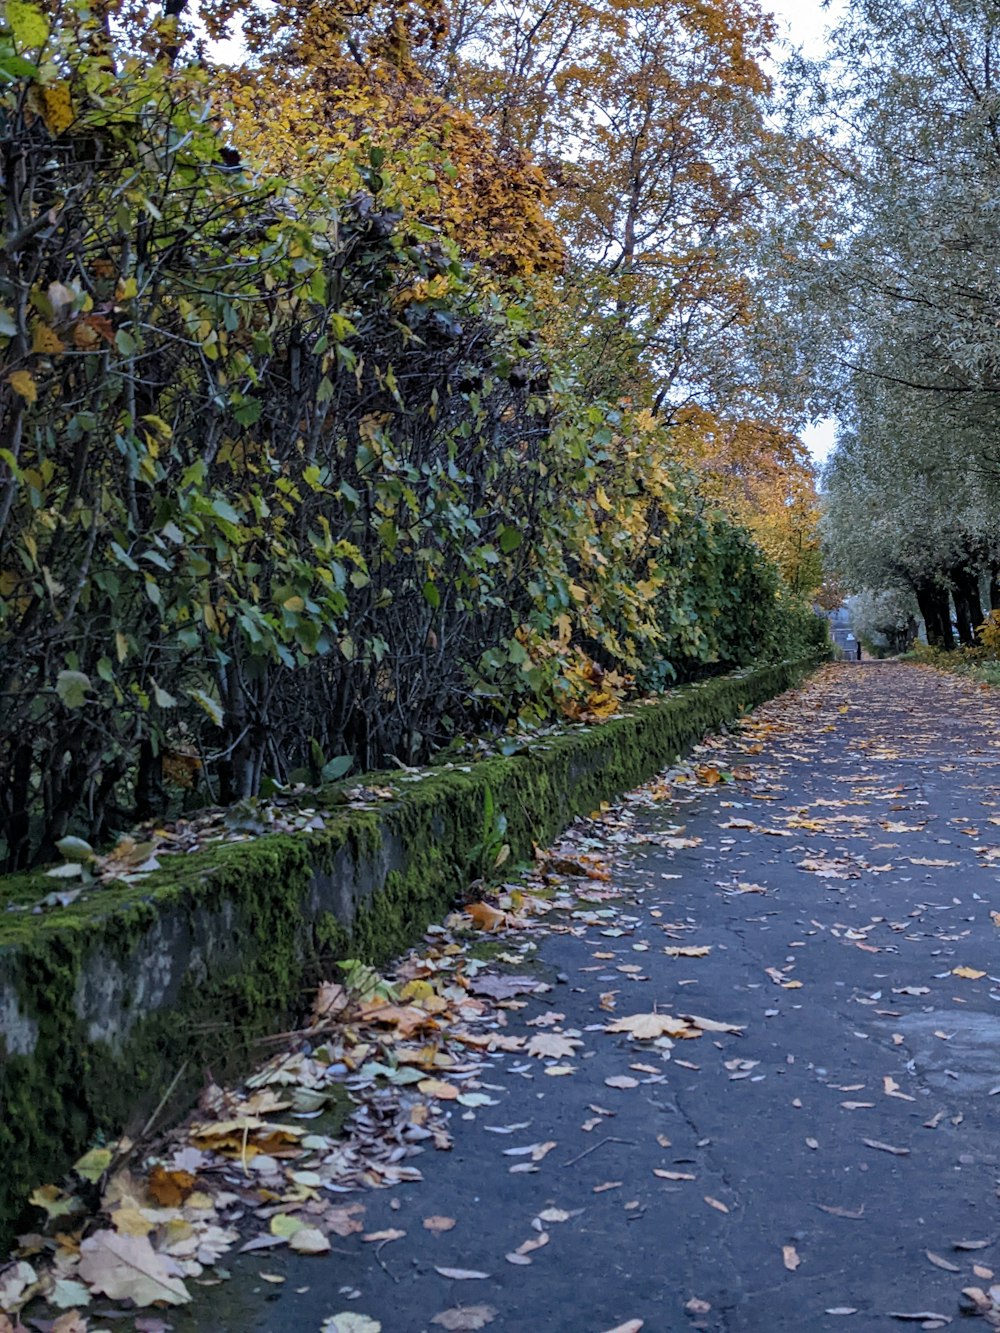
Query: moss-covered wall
{"x":105,"y":1004}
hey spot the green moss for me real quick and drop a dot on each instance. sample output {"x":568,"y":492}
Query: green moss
{"x":202,"y":958}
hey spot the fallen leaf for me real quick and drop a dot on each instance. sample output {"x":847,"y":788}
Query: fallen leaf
{"x":71,"y":1322}
{"x":836,"y":1211}
{"x":349,"y":1322}
{"x":486,"y":917}
{"x":632,"y":1326}
{"x":647,"y":1027}
{"x":465,"y":1318}
{"x":790,"y":1257}
{"x":970,"y":1244}
{"x":503,"y":987}
{"x":716,"y":1204}
{"x":460,"y":1274}
{"x":892,"y":1089}
{"x":842,"y":1309}
{"x":971,"y":974}
{"x":309,"y":1240}
{"x":695,"y":1306}
{"x":345,"y":1221}
{"x":438,"y":1224}
{"x":552,"y":1046}
{"x":673,"y":1175}
{"x":127,"y":1268}
{"x":621,"y":1081}
{"x":920,"y":1316}
{"x":938,"y":1262}
{"x":391,"y":1233}
{"x":170,"y":1188}
{"x":688,"y":951}
{"x":711,"y":1024}
{"x":886,"y":1147}
{"x":437,"y":1087}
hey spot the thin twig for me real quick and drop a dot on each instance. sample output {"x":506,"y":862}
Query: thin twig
{"x":594,"y":1147}
{"x":162,"y":1102}
{"x":384,"y":1267}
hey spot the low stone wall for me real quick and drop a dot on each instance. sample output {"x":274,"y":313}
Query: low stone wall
{"x":107,"y":1002}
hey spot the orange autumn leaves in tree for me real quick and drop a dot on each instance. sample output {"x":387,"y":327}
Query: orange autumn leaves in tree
{"x":761,"y":476}
{"x":332,"y":84}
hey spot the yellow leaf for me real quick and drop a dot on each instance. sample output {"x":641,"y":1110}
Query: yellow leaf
{"x":130,"y":1222}
{"x":58,"y":107}
{"x":790,"y":1257}
{"x":23,"y":383}
{"x":971,"y":973}
{"x":45,"y":341}
{"x":417,"y":990}
{"x":92,"y":1165}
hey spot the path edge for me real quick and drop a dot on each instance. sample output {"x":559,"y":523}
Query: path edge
{"x":106,"y":1003}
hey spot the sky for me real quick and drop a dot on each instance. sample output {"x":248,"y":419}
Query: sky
{"x":804,"y":23}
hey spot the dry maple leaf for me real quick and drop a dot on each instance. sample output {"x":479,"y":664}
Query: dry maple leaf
{"x":647,"y":1027}
{"x":688,"y":950}
{"x":127,"y":1268}
{"x":552,"y":1046}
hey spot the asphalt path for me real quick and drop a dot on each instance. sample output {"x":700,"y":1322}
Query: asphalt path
{"x":839,"y":1148}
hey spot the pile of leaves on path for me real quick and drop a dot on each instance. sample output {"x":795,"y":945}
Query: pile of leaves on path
{"x":273,"y":1164}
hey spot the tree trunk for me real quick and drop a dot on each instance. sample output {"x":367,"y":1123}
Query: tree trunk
{"x":933,"y":603}
{"x":967,"y":583}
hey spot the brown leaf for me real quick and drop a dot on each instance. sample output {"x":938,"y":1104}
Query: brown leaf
{"x":836,"y":1211}
{"x":790,"y":1257}
{"x":170,"y":1188}
{"x":716,"y":1204}
{"x":438,"y":1224}
{"x":346,"y":1220}
{"x":688,"y":951}
{"x":673,"y":1175}
{"x":486,"y":917}
{"x":695,"y":1306}
{"x":621,"y":1081}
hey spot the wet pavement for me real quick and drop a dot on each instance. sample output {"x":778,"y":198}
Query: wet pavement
{"x":809,"y":1165}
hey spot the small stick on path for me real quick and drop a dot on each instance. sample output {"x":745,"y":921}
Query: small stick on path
{"x":594,"y":1147}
